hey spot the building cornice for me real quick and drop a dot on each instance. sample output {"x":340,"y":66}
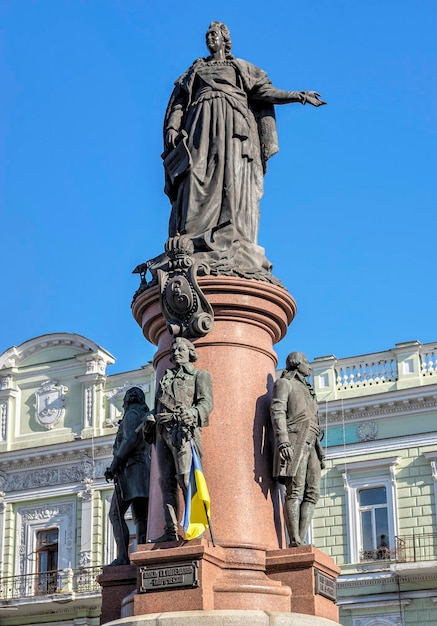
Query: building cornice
{"x":378,"y":406}
{"x":16,"y":354}
{"x":379,"y":578}
{"x":382,"y":445}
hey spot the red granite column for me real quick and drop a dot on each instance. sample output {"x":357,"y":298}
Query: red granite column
{"x":250,"y":317}
{"x":245,"y":571}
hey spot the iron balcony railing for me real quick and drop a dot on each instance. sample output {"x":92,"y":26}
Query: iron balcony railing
{"x":416,"y":547}
{"x":408,"y":548}
{"x":80,"y":580}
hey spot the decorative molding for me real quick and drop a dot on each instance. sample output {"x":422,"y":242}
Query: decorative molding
{"x":363,"y":580}
{"x":89,"y":405}
{"x":96,"y":366}
{"x":13,"y":356}
{"x":88,"y":466}
{"x":84,"y":473}
{"x":370,"y":464}
{"x":85,"y":558}
{"x":3,"y":421}
{"x":382,"y":445}
{"x":86,"y":493}
{"x":367,"y":431}
{"x":394,"y":619}
{"x":382,"y":407}
{"x":6,"y":382}
{"x":115,"y":398}
{"x":434,"y":470}
{"x":346,"y":484}
{"x":50,"y":404}
{"x":45,"y":478}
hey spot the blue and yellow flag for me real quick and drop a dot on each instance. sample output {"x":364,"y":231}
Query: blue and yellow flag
{"x":197,"y":502}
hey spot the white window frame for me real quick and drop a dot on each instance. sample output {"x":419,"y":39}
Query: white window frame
{"x":30,"y":520}
{"x":368,"y":474}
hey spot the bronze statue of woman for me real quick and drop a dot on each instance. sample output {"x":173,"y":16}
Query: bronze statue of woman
{"x":219,"y":132}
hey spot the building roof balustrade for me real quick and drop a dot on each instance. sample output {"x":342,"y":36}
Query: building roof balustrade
{"x":408,"y":364}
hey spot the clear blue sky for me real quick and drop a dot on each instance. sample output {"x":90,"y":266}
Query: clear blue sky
{"x":350,"y":204}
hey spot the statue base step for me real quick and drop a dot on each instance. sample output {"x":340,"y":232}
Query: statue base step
{"x":230,"y":618}
{"x":196,"y":576}
{"x":117,"y":581}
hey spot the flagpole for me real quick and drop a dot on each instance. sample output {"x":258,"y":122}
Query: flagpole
{"x":209,"y":525}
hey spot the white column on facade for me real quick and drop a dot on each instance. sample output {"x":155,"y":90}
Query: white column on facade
{"x":8,"y":394}
{"x":86,"y":519}
{"x":93,"y":382}
{"x":2,"y":528}
{"x":432,"y":457}
{"x":86,"y":495}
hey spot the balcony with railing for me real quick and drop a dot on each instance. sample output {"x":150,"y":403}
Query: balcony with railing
{"x":416,"y":547}
{"x":411,"y":552}
{"x":66,"y":582}
{"x":408,"y":364}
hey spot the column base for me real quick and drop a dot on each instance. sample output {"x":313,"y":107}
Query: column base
{"x":225,"y":577}
{"x":228,"y":617}
{"x":187,"y":576}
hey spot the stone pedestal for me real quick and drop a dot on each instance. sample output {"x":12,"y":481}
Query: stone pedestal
{"x":311,"y":575}
{"x":249,"y":318}
{"x":231,"y":577}
{"x":117,"y":582}
{"x":249,"y":577}
{"x":222,"y":578}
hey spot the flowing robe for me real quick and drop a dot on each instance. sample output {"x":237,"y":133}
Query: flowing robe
{"x":226,"y":110}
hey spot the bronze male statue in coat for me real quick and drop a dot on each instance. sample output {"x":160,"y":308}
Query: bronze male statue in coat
{"x":183,"y":404}
{"x":130,"y":470}
{"x":298,"y":456}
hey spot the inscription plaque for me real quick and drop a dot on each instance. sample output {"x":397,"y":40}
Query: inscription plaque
{"x":169,"y":576}
{"x":326,"y":586}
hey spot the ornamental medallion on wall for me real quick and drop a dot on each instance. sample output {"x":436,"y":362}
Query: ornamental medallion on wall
{"x":367,"y":431}
{"x":50,"y":404}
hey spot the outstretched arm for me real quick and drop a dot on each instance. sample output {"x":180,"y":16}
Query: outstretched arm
{"x":268,"y":93}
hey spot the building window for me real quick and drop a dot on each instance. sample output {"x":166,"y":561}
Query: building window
{"x":373,"y":509}
{"x":47,"y":560}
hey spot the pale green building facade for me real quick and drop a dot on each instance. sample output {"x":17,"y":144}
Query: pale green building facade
{"x":59,"y":413}
{"x":377,"y":516}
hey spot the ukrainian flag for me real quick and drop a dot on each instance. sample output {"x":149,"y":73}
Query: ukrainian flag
{"x":197,"y":502}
